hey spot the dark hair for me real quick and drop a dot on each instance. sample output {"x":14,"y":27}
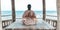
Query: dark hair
{"x":29,"y":6}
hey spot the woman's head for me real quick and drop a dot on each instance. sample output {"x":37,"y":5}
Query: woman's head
{"x":29,"y":7}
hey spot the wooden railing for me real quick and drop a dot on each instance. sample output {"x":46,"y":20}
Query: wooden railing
{"x":50,"y":21}
{"x":5,"y":23}
{"x":51,"y":15}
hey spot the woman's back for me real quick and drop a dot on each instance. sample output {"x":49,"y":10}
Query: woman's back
{"x":29,"y":14}
{"x":29,"y":18}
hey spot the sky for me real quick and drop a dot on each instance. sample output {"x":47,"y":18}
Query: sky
{"x":21,"y":5}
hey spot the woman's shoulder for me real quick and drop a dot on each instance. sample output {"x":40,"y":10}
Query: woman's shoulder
{"x":32,"y":11}
{"x":29,"y":11}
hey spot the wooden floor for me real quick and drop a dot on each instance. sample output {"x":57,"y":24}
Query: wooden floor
{"x":41,"y":25}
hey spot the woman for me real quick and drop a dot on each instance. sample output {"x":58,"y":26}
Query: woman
{"x":29,"y":17}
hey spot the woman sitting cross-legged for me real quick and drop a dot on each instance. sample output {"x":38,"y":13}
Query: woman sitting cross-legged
{"x":29,"y":17}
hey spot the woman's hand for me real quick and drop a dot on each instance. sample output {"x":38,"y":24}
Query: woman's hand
{"x":35,"y":19}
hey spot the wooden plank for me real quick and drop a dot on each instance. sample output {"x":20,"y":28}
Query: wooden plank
{"x":7,"y":20}
{"x":26,"y":29}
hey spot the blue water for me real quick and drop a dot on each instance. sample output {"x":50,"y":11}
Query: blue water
{"x":20,"y":13}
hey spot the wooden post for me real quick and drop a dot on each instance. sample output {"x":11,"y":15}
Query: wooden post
{"x":58,"y":13}
{"x":44,"y":11}
{"x":0,"y":17}
{"x":13,"y":10}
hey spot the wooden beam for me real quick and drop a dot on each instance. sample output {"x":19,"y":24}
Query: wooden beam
{"x":0,"y":17}
{"x":58,"y":14}
{"x":44,"y":11}
{"x":13,"y":10}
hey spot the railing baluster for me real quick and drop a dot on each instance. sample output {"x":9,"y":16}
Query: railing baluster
{"x":52,"y":22}
{"x":6,"y":23}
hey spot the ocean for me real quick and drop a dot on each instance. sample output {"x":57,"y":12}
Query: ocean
{"x":19,"y":14}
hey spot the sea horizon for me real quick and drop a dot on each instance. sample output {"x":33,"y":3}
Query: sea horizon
{"x":19,"y":14}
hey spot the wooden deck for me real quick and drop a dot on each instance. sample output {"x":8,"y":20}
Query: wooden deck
{"x":41,"y":25}
{"x":49,"y":20}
